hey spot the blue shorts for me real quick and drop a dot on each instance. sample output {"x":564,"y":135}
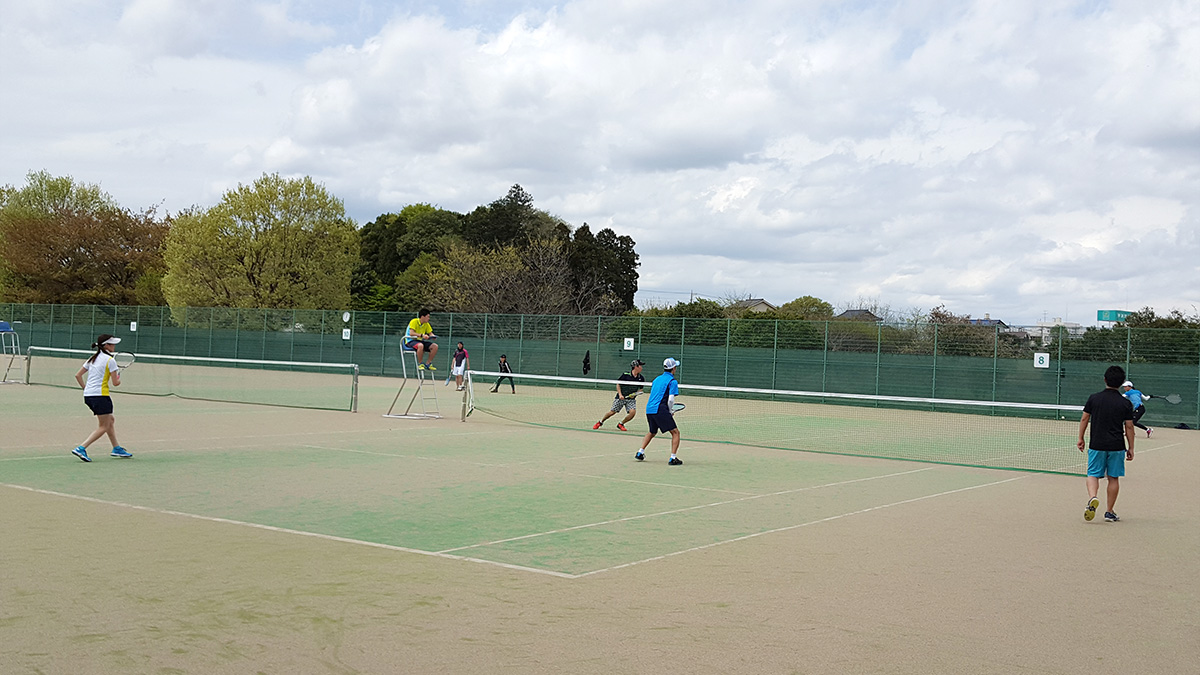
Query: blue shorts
{"x":661,"y":421}
{"x":100,"y":405}
{"x":1103,"y":463}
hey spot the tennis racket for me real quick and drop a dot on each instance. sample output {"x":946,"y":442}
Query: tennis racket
{"x":124,"y":359}
{"x":676,"y":407}
{"x":1173,"y":399}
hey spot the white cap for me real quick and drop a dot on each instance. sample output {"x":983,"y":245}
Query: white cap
{"x":1127,"y":383}
{"x":670,"y":364}
{"x":111,"y":341}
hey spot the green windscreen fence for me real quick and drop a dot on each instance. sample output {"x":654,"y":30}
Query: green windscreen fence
{"x":999,"y":435}
{"x":967,"y":362}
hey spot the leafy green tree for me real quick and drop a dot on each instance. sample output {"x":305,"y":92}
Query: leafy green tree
{"x":106,"y":256}
{"x":427,"y":230}
{"x":279,"y":243}
{"x":805,"y":307}
{"x":379,"y":248}
{"x":413,"y":284}
{"x":507,"y":220}
{"x":44,"y":197}
{"x":604,"y":271}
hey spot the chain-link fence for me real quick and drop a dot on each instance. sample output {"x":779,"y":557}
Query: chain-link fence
{"x":992,"y":363}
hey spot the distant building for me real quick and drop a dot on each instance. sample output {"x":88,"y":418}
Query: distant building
{"x":754,"y":305}
{"x":987,"y":320}
{"x":1045,"y":329}
{"x":858,"y":315}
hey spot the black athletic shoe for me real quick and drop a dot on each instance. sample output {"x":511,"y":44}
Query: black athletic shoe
{"x":674,"y":461}
{"x":1110,"y":517}
{"x":640,"y":456}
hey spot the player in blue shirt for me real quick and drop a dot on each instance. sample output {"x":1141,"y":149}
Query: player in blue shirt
{"x":1136,"y":397}
{"x":663,"y":391}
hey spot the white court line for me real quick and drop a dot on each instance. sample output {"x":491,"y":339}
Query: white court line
{"x":284,"y":530}
{"x":685,"y":509}
{"x":793,"y":527}
{"x":235,"y":439}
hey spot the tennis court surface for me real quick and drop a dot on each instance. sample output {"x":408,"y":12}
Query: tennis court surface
{"x":247,"y":538}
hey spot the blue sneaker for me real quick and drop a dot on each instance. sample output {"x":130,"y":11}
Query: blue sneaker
{"x":81,"y":453}
{"x":675,"y":461}
{"x":120,"y":452}
{"x":639,"y":456}
{"x":1110,"y":517}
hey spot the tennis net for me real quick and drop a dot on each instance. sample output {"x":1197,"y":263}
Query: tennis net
{"x":325,"y":386}
{"x":988,"y":434}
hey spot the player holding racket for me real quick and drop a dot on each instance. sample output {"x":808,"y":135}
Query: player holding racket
{"x":659,"y":408}
{"x":102,"y":371}
{"x":626,"y":395}
{"x":1139,"y":408}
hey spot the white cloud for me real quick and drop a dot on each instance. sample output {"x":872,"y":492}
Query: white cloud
{"x":1012,"y":158}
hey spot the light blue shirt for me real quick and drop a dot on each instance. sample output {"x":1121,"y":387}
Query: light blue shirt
{"x":663,"y":386}
{"x":1135,"y":397}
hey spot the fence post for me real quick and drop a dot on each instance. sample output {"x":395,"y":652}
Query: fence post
{"x":728,"y":334}
{"x":597,"y":366}
{"x":639,"y":342}
{"x":382,"y":345}
{"x":161,"y":326}
{"x":558,"y":349}
{"x":825,"y":356}
{"x":521,"y":343}
{"x":211,"y":312}
{"x":933,"y":387}
{"x":1058,"y":380}
{"x":1128,"y":346}
{"x":878,"y":353}
{"x":775,"y":355}
{"x":682,"y":336}
{"x":995,"y":360}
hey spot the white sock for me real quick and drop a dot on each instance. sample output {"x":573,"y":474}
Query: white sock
{"x":672,"y":455}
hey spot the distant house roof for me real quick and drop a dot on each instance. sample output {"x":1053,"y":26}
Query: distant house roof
{"x":858,"y":315}
{"x":754,"y":305}
{"x":987,"y":322}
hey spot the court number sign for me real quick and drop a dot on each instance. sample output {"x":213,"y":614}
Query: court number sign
{"x":1041,"y":360}
{"x":628,"y":344}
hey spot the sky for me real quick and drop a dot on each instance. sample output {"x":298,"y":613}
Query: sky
{"x":1025,"y":159}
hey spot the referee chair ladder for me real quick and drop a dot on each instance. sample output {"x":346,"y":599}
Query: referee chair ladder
{"x":10,"y":348}
{"x":425,"y":392}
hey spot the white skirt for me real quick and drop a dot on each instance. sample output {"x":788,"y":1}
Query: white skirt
{"x":457,"y":370}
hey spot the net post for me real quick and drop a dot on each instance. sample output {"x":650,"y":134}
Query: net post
{"x":354,"y":390}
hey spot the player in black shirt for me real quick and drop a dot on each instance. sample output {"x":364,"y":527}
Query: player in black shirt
{"x":626,"y":395}
{"x":1111,"y":417}
{"x":504,"y":368}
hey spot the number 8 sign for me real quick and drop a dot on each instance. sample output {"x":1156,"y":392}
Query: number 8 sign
{"x":1041,"y":360}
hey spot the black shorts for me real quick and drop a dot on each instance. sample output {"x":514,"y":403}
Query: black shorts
{"x":100,"y":405}
{"x":661,"y":421}
{"x":412,"y":346}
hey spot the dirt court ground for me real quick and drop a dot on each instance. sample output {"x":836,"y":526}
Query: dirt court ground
{"x":248,"y":539}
